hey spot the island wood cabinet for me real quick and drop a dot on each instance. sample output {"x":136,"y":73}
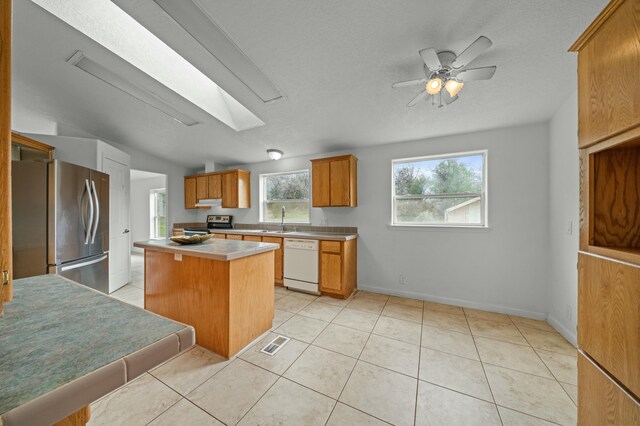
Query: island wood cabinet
{"x":335,"y":181}
{"x":278,"y":254}
{"x":338,"y":268}
{"x":609,"y":259}
{"x":232,"y":186}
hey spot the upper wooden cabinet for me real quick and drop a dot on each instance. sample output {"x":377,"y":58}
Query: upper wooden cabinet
{"x":335,"y":181}
{"x":608,"y":77}
{"x":190,"y":198}
{"x":232,"y":186}
{"x":236,"y":191}
{"x":215,"y":186}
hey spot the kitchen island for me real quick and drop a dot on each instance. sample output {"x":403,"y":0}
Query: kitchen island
{"x":223,"y":288}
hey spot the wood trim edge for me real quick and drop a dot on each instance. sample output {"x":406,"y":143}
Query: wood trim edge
{"x":595,"y":25}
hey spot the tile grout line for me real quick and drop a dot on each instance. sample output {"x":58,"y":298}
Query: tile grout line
{"x":484,"y":371}
{"x":415,"y":409}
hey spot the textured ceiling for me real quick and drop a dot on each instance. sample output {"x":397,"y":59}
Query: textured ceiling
{"x":335,"y":61}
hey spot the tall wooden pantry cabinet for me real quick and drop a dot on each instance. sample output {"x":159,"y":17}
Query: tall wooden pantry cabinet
{"x":609,"y":257}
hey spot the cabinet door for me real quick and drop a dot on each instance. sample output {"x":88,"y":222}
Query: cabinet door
{"x":330,"y":272}
{"x":234,"y":237}
{"x":340,"y":183}
{"x":190,"y":193}
{"x":609,"y":317}
{"x":321,"y":184}
{"x":220,"y":236}
{"x":202,"y":187}
{"x":608,"y":77}
{"x":252,"y":238}
{"x":215,"y":186}
{"x":600,"y":400}
{"x":278,"y":257}
{"x":230,"y":190}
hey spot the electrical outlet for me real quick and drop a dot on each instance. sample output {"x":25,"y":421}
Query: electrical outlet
{"x":401,"y":280}
{"x":177,"y":257}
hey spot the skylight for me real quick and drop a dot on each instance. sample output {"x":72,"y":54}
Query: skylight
{"x":111,"y":27}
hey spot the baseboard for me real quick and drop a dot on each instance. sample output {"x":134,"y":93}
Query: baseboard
{"x":456,"y":302}
{"x":572,"y":337}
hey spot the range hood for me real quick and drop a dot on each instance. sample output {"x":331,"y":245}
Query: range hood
{"x":209,"y":202}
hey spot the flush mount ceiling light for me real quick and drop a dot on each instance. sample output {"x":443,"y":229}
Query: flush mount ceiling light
{"x":274,"y":154}
{"x":198,"y":22}
{"x":140,"y":93}
{"x":108,"y":25}
{"x":445,"y":67}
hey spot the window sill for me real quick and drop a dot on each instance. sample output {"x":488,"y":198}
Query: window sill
{"x":438,"y":227}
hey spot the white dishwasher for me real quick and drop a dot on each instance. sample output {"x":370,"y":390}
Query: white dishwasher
{"x":301,"y":265}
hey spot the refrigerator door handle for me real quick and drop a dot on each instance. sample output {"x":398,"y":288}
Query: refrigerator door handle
{"x":90,"y":215}
{"x":83,"y":264}
{"x":97,"y":216}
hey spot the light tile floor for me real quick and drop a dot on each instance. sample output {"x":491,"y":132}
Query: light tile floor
{"x":372,"y":359}
{"x":133,"y":293}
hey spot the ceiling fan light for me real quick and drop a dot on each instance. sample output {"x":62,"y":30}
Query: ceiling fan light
{"x":434,"y":86}
{"x":453,"y":87}
{"x":274,"y":154}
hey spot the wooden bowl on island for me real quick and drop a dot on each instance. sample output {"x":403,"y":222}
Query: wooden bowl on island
{"x":192,"y":239}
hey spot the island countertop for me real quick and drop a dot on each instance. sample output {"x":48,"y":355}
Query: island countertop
{"x":64,"y":345}
{"x":215,"y":249}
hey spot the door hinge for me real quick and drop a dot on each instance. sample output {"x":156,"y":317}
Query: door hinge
{"x":5,"y":277}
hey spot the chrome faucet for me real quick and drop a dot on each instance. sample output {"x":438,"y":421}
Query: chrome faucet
{"x":282,"y":218}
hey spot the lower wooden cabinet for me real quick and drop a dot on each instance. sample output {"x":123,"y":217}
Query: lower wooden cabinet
{"x":279,"y":258}
{"x":253,"y":238}
{"x":609,"y":317}
{"x":338,"y":267}
{"x":220,"y":236}
{"x":601,"y":401}
{"x":234,"y":237}
{"x":177,"y":233}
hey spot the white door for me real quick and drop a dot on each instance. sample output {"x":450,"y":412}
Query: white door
{"x":119,"y":251}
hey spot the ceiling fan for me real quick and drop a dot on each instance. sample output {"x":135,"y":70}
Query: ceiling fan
{"x":445,"y":70}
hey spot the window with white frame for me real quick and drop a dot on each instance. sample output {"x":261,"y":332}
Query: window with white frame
{"x":289,"y":190}
{"x":158,"y":213}
{"x":444,"y":190}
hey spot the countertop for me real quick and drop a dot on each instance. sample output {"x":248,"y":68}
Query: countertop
{"x":216,"y":249}
{"x":331,"y":236}
{"x":63,"y":346}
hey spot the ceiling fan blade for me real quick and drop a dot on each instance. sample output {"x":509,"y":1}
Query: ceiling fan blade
{"x":408,"y":83}
{"x":474,"y":74}
{"x":445,"y":99}
{"x":472,"y":52}
{"x":430,"y":58}
{"x":418,"y":98}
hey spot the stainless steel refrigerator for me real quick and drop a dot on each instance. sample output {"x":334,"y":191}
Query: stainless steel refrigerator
{"x":61,"y":222}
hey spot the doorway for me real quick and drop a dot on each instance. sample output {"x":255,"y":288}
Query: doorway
{"x":148,"y":201}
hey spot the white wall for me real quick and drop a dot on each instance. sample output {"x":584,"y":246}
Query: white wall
{"x":564,"y":209}
{"x":83,"y":151}
{"x":503,"y":268}
{"x":140,"y":214}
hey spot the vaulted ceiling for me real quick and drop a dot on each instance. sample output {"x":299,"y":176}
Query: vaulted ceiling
{"x":334,"y":60}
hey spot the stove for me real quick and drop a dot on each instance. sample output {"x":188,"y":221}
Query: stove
{"x":213,"y":222}
{"x":219,"y":222}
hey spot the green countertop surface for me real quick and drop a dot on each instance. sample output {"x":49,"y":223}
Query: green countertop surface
{"x":55,"y":331}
